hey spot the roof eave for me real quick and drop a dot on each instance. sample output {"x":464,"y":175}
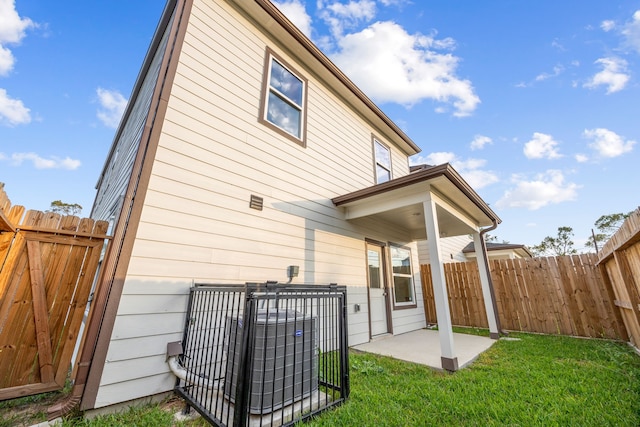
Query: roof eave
{"x":443,"y":170}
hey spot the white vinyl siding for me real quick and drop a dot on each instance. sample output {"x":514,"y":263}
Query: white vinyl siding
{"x":196,"y":225}
{"x":450,"y":249}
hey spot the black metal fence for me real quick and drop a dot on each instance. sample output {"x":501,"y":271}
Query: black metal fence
{"x":264,"y":354}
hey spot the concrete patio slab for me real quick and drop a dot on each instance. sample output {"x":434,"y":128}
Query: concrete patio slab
{"x":423,"y":346}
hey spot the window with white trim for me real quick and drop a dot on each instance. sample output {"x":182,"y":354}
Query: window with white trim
{"x":401,"y":271}
{"x":284,"y":99}
{"x":382,"y":156}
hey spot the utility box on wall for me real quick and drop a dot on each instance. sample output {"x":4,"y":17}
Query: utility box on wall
{"x":284,"y":363}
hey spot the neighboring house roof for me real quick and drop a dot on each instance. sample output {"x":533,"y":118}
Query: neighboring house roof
{"x":521,"y":250}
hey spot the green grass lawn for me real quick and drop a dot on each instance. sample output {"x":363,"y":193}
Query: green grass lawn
{"x":537,"y":380}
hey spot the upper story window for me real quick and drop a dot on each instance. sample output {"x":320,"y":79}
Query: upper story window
{"x":382,"y":156}
{"x":284,"y":99}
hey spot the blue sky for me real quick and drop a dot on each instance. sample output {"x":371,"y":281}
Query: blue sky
{"x":535,"y":103}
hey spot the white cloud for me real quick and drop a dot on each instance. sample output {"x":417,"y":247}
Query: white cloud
{"x":387,"y":62}
{"x":394,"y":2}
{"x":354,"y":10}
{"x":478,"y":178}
{"x":614,"y":75}
{"x":12,"y":31}
{"x":545,"y":189}
{"x":41,"y":163}
{"x":581,"y":158}
{"x":557,"y":45}
{"x":470,"y":169}
{"x":342,"y":16}
{"x":112,"y":106}
{"x":479,"y":142}
{"x":6,"y":61}
{"x":295,"y":11}
{"x":608,"y":143}
{"x":12,"y":111}
{"x":631,"y":32}
{"x":391,"y":65}
{"x":607,"y":25}
{"x":557,"y":70}
{"x":434,"y":159}
{"x":541,"y":146}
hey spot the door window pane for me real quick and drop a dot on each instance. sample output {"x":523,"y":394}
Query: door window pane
{"x":374,"y":269}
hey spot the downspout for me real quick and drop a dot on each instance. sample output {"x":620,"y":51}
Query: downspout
{"x":486,"y":263}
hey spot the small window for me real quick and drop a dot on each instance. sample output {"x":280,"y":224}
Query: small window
{"x":284,"y":99}
{"x":403,"y":292}
{"x":383,"y":162}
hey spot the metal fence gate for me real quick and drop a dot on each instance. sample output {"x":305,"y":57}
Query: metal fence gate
{"x":263,"y":354}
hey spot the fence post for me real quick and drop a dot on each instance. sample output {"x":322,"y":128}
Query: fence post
{"x":344,"y":346}
{"x":243,"y":387}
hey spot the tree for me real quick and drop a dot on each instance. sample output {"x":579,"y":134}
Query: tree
{"x":490,"y":238}
{"x":607,"y":225}
{"x":58,"y":206}
{"x":556,"y":246}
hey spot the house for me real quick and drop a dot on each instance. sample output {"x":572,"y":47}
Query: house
{"x":462,"y":249}
{"x":244,"y":151}
{"x":499,"y":251}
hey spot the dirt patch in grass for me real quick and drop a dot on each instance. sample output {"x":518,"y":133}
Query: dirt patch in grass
{"x":29,"y":410}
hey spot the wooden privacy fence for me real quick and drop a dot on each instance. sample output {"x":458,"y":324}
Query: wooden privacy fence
{"x":554,"y":295}
{"x":47,"y":266}
{"x":619,"y":261}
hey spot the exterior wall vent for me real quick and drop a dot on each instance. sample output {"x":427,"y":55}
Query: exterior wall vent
{"x":256,"y":202}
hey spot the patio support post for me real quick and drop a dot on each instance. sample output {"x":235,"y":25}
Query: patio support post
{"x":489,"y":299}
{"x":445,"y":330}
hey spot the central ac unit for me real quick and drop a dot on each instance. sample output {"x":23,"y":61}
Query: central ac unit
{"x":284,"y":362}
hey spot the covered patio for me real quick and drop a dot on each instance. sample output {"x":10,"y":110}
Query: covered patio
{"x":423,"y":347}
{"x":430,"y":203}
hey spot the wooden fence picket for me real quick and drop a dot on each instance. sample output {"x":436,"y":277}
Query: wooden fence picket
{"x":619,"y":261}
{"x":553,"y":295}
{"x":47,"y":266}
